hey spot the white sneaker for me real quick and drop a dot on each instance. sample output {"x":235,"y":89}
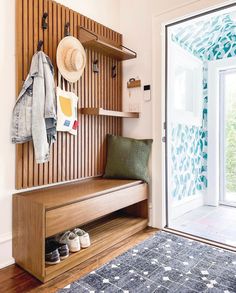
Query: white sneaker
{"x":83,"y":237}
{"x":71,"y":239}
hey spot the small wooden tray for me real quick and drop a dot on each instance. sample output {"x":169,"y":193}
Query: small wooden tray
{"x":133,"y":83}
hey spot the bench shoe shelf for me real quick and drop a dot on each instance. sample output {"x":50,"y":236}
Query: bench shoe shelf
{"x":113,"y":228}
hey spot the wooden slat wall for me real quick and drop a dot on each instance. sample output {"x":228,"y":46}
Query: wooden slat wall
{"x":71,"y":157}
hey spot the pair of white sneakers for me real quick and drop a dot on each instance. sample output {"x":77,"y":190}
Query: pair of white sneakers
{"x":75,"y":239}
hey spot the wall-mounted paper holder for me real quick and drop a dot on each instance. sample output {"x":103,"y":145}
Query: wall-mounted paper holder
{"x":132,"y":83}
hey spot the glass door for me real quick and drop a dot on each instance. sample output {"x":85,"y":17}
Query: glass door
{"x":228,"y":136}
{"x":200,"y":127}
{"x":184,"y":119}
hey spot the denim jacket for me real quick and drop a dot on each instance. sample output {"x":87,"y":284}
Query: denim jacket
{"x":34,"y":115}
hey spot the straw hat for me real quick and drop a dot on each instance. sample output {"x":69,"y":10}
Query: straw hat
{"x":71,"y":58}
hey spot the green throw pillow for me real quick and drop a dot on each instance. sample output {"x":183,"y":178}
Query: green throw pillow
{"x":127,"y":158}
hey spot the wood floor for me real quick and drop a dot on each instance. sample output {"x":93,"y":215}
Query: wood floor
{"x":14,"y":279}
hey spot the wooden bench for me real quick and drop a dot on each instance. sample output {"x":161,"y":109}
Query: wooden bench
{"x":110,"y":210}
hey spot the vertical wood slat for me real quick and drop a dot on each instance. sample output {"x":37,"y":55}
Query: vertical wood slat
{"x":106,"y":101}
{"x":72,"y":88}
{"x":75,"y":139}
{"x":81,"y":129}
{"x":31,"y":51}
{"x":66,"y":150}
{"x":25,"y":71}
{"x":54,"y":48}
{"x":89,"y":158}
{"x":96,"y":131}
{"x":59,"y":135}
{"x":66,"y":135}
{"x":50,"y":54}
{"x":86,"y":122}
{"x":93,"y":98}
{"x":71,"y":157}
{"x":19,"y":78}
{"x":45,"y":48}
{"x":101,"y":105}
{"x":92,"y":117}
{"x":63,"y":134}
{"x":40,"y":14}
{"x":36,"y":39}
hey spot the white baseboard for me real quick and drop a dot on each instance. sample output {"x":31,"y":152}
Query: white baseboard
{"x":7,"y":263}
{"x":5,"y":237}
{"x":187,"y":205}
{"x":6,"y":258}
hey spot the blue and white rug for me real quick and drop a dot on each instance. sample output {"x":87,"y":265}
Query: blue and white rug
{"x":164,"y":263}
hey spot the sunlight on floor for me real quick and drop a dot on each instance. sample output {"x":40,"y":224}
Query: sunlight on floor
{"x":213,"y":223}
{"x":231,"y":197}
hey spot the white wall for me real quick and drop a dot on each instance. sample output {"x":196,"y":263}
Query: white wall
{"x":136,"y":27}
{"x":135,"y":24}
{"x":103,"y":11}
{"x":7,"y":150}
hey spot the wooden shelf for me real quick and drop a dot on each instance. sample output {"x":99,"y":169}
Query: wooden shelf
{"x":92,"y":41}
{"x":103,"y":112}
{"x":104,"y":234}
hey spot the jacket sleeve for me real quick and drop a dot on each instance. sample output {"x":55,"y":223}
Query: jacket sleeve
{"x":50,"y":96}
{"x":50,"y":101}
{"x":39,"y":132}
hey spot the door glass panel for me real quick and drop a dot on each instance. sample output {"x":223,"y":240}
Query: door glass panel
{"x":201,"y":126}
{"x":229,"y":94}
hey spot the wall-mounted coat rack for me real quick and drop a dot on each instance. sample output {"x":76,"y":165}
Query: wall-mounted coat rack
{"x":44,"y":23}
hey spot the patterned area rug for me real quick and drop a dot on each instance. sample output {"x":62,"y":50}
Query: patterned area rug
{"x":164,"y":263}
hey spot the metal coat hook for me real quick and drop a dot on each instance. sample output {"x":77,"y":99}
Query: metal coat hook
{"x":95,"y":66}
{"x":44,"y":21}
{"x":67,"y":29}
{"x":40,"y":44}
{"x":44,"y":27}
{"x":114,"y":73}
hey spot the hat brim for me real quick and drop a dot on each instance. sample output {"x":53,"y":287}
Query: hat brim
{"x":64,"y":45}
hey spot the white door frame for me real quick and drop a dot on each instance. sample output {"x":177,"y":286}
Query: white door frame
{"x":158,"y":217}
{"x":214,"y":68}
